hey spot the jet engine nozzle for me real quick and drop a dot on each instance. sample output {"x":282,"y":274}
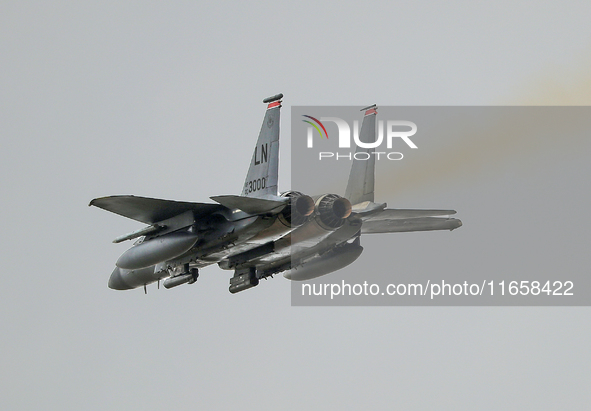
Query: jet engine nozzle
{"x":332,"y":210}
{"x":300,"y":206}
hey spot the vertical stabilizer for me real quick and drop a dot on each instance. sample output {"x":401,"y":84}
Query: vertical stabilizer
{"x":362,"y":177}
{"x":261,"y":180}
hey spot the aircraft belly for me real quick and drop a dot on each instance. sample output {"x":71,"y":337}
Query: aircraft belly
{"x":272,"y":233}
{"x":302,"y":246}
{"x":306,"y":241}
{"x":239,"y":239}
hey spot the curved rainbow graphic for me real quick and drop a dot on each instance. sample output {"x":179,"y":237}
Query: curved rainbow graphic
{"x":315,"y":126}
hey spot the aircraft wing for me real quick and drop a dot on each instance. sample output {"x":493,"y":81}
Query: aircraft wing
{"x":384,"y":221}
{"x":151,"y":210}
{"x":401,"y":213}
{"x":405,"y":220}
{"x":252,"y":205}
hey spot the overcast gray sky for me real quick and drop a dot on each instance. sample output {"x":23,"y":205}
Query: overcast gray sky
{"x":164,"y":100}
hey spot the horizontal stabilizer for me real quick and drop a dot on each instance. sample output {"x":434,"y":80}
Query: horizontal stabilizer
{"x":400,"y":213}
{"x":252,"y":205}
{"x":400,"y":225}
{"x":151,"y":210}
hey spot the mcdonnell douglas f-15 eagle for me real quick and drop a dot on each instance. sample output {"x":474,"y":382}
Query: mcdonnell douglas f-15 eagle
{"x":260,"y":232}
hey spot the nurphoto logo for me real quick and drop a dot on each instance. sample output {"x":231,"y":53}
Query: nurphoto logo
{"x":366,"y":145}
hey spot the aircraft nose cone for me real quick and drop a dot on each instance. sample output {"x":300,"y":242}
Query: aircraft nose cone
{"x":116,"y":282}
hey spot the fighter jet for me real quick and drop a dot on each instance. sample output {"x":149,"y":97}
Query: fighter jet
{"x":260,"y":232}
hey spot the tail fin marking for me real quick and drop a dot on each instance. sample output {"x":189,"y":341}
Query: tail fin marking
{"x":261,"y":179}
